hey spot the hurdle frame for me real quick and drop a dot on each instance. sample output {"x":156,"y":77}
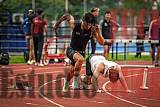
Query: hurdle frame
{"x":145,"y":73}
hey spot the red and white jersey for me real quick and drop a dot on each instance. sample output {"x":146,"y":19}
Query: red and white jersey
{"x":96,"y":60}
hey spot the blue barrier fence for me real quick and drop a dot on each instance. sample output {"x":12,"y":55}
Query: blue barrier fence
{"x":12,"y":39}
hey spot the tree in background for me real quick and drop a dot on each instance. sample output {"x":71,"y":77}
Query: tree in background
{"x":55,"y":8}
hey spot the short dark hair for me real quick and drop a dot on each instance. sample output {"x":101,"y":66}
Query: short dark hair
{"x":113,"y":75}
{"x":39,"y":11}
{"x":89,"y":18}
{"x":108,"y":12}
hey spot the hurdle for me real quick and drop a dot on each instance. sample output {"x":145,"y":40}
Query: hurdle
{"x":126,"y":43}
{"x":55,"y":49}
{"x":145,"y":73}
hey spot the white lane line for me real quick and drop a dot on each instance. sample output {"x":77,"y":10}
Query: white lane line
{"x":25,"y":74}
{"x":119,"y":97}
{"x":17,"y":90}
{"x":103,"y":87}
{"x":33,"y":68}
{"x":46,"y":97}
{"x":63,"y":97}
{"x":39,"y":105}
{"x":92,"y":101}
{"x":150,"y":99}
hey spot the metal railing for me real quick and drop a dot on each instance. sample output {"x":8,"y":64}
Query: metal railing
{"x":12,"y":39}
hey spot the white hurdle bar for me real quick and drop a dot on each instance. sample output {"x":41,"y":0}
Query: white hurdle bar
{"x":138,"y":66}
{"x":144,"y":81}
{"x":132,"y":41}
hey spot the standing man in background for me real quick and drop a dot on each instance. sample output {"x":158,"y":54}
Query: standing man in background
{"x":109,"y":26}
{"x":27,"y":31}
{"x":140,"y":36}
{"x":154,"y":34}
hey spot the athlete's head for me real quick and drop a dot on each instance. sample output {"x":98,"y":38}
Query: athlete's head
{"x":88,"y":20}
{"x":40,"y":12}
{"x":30,"y":13}
{"x":113,"y":75}
{"x":95,"y":11}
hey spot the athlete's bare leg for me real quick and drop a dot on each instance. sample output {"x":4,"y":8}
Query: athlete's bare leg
{"x":106,"y":51}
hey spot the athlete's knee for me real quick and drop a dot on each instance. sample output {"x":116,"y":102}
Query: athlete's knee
{"x":80,"y":60}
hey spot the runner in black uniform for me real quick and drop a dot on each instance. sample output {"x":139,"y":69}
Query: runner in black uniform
{"x":95,"y":12}
{"x":80,"y":36}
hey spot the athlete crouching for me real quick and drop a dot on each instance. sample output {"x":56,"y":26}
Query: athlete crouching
{"x":96,"y":65}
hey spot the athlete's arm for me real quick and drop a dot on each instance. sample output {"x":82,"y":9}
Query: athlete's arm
{"x":115,"y":26}
{"x":122,"y":79}
{"x":98,"y":35}
{"x":67,"y":17}
{"x":150,"y":28}
{"x":99,"y":69}
{"x":115,"y":23}
{"x":46,"y":31}
{"x":100,"y":38}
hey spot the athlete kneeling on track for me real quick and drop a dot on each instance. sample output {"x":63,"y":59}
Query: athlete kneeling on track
{"x":96,"y":65}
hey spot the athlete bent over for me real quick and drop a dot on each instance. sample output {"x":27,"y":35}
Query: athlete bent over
{"x":81,"y":34}
{"x":96,"y":65}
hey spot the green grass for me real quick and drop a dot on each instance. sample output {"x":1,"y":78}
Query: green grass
{"x":130,"y":57}
{"x":16,"y":59}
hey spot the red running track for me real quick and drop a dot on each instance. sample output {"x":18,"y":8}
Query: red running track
{"x":48,"y":81}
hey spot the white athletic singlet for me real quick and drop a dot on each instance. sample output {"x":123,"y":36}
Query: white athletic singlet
{"x":96,"y":60}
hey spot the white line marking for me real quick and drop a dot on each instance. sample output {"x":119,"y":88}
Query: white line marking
{"x":12,"y":77}
{"x":63,"y":97}
{"x":46,"y":97}
{"x":119,"y":97}
{"x":30,"y":68}
{"x":150,"y":99}
{"x":93,"y":101}
{"x":138,"y":66}
{"x":103,"y":87}
{"x":39,"y":105}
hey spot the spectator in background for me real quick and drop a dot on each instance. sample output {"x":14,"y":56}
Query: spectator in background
{"x":39,"y":26}
{"x":27,"y":31}
{"x":95,"y":12}
{"x":140,"y":36}
{"x":154,"y":34}
{"x":109,"y":27}
{"x":18,"y":20}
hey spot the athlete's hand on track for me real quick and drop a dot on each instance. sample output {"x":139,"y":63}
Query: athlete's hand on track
{"x":128,"y":91}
